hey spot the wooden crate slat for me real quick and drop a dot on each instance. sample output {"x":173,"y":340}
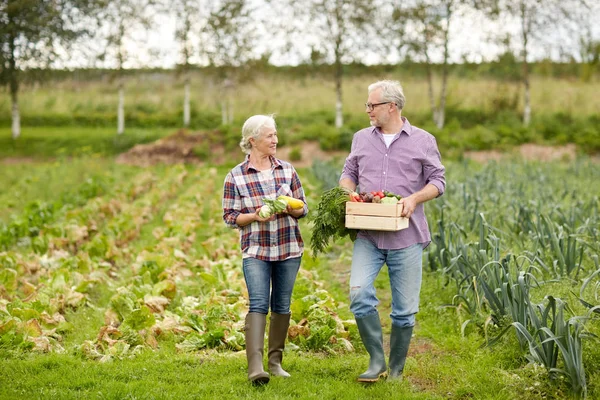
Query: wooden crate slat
{"x":376,"y":223}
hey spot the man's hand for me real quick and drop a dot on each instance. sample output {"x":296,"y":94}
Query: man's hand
{"x":409,"y":204}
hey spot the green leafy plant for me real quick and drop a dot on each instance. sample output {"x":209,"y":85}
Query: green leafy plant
{"x":329,"y":220}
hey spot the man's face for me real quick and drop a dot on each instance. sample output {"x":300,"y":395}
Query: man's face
{"x":379,"y":115}
{"x":266,"y":142}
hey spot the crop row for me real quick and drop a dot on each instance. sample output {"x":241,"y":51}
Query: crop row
{"x":182,"y":285}
{"x":503,"y":237}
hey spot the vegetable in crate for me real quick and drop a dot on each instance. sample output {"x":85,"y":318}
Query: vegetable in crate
{"x":329,"y":221}
{"x":389,"y":200}
{"x":390,"y":194}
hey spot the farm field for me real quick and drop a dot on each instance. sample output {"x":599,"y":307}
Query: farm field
{"x":123,"y":282}
{"x":162,"y":93}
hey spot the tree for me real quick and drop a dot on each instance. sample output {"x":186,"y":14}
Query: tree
{"x":122,"y":19}
{"x":228,"y":40}
{"x":539,"y":21}
{"x":340,"y":29}
{"x":425,"y":28}
{"x":32,"y":32}
{"x":589,"y":47}
{"x":188,"y":13}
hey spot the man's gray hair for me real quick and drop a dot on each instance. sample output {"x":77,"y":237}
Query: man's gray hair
{"x":252,"y":129}
{"x":390,"y":91}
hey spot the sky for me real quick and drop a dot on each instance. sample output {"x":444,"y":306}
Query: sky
{"x":471,"y":40}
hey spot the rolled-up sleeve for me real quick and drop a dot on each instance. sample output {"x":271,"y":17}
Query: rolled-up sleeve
{"x":232,"y":203}
{"x":298,"y":191}
{"x":433,"y":170}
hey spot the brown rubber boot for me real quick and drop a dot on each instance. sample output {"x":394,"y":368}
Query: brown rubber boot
{"x":278,"y":331}
{"x":255,"y":343}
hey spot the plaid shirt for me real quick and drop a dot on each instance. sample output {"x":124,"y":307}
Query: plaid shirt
{"x":243,"y":191}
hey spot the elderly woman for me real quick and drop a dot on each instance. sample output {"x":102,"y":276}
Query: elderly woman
{"x":271,"y":247}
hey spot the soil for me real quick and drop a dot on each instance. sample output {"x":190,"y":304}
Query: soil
{"x":205,"y":147}
{"x":529,"y":152}
{"x":180,"y":147}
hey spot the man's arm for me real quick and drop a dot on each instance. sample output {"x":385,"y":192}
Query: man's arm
{"x":410,"y":203}
{"x":348,"y":184}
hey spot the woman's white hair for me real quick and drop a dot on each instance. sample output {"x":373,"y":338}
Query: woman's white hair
{"x":253,"y":127}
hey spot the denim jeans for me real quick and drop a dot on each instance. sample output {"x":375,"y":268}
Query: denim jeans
{"x":404,"y":269}
{"x":261,"y":275}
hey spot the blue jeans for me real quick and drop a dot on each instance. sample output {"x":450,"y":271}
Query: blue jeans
{"x":261,"y":275}
{"x":404,"y":269}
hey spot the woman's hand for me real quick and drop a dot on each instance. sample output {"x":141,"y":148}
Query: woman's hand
{"x":258,"y":218}
{"x":294,"y":212}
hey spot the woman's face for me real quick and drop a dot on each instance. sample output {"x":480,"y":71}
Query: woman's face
{"x":266,"y":142}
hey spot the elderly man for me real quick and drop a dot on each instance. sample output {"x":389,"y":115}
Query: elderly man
{"x":396,"y":156}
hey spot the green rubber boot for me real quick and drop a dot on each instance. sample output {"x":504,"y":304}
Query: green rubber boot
{"x":369,"y":328}
{"x":399,"y":342}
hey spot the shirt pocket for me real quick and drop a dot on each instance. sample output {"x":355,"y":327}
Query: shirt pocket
{"x":248,"y":202}
{"x":284,"y":190}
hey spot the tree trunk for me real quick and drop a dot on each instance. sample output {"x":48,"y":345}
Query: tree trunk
{"x":434,"y":111}
{"x":186,"y":104}
{"x":525,"y":33}
{"x":13,"y":79}
{"x":527,"y":105}
{"x":441,"y":111}
{"x":230,"y":109}
{"x":224,"y":111}
{"x":15,"y":114}
{"x":339,"y":112}
{"x":121,"y":111}
{"x":16,"y":118}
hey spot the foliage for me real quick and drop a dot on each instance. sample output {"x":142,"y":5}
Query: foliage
{"x":295,"y":154}
{"x":329,"y":220}
{"x":140,"y":265}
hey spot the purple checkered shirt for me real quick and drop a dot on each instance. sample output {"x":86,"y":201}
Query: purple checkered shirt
{"x":243,"y":191}
{"x":411,"y":162}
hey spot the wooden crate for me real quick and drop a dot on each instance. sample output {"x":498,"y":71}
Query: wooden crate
{"x":375,"y":216}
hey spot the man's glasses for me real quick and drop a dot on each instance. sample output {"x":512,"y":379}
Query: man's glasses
{"x":371,"y":106}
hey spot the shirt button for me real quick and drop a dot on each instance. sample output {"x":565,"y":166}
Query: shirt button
{"x":384,"y":172}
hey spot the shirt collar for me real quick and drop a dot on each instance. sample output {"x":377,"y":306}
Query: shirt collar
{"x":247,"y":166}
{"x":406,"y":127}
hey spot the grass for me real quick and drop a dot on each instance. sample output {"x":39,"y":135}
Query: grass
{"x":441,"y":365}
{"x":48,"y":181}
{"x":271,"y":94}
{"x":51,"y":142}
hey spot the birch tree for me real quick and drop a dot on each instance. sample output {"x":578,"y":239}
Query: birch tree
{"x":122,"y":20}
{"x":228,"y":40}
{"x":31,"y":34}
{"x":339,"y":29}
{"x":424,"y":27}
{"x":538,"y":21}
{"x":188,"y":14}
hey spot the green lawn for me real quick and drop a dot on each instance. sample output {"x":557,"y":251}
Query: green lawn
{"x":44,"y":142}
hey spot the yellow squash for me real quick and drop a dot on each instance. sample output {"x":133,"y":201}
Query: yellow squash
{"x":294,"y":203}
